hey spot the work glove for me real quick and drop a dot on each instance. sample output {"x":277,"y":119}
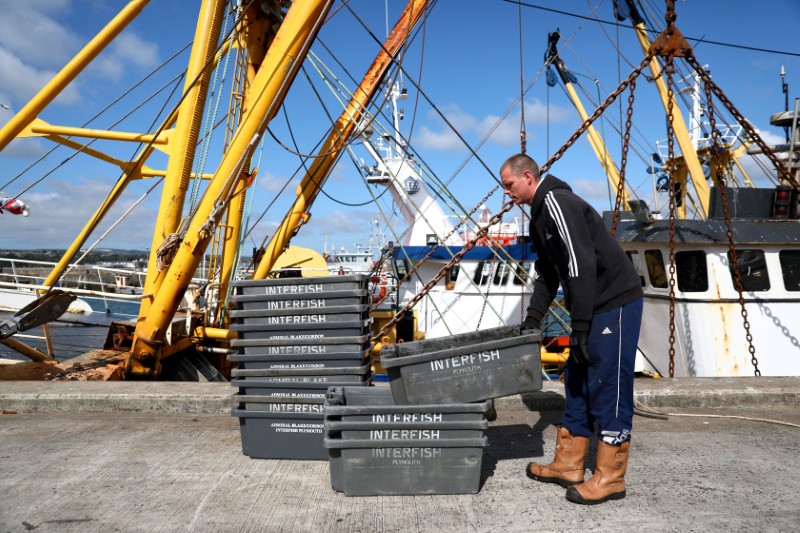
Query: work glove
{"x":530,"y":323}
{"x":577,"y":347}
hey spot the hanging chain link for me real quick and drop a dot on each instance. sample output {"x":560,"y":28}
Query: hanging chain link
{"x":668,"y":69}
{"x":733,"y":259}
{"x":626,"y":138}
{"x":509,"y":205}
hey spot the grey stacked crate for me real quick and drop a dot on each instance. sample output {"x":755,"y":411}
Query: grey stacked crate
{"x":379,"y":448}
{"x":296,"y":337}
{"x":468,"y":367}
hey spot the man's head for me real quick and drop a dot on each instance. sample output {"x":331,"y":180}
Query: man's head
{"x":519,"y":175}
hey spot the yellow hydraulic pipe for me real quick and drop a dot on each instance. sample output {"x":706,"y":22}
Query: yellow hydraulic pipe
{"x":28,"y":351}
{"x":282,"y":61}
{"x":42,"y":128}
{"x":340,"y":135}
{"x":599,"y":147}
{"x":215,"y":333}
{"x":54,"y":87}
{"x":679,"y":126}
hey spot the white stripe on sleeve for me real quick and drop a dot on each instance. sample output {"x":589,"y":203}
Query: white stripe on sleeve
{"x":558,"y":217}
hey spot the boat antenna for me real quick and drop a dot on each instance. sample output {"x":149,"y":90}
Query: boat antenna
{"x":785,"y":88}
{"x":523,"y":135}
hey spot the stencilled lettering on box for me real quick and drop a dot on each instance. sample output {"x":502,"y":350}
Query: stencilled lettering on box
{"x":406,"y":456}
{"x":294,"y":289}
{"x":407,"y":417}
{"x":311,"y":303}
{"x":296,"y":427}
{"x":464,"y":364}
{"x":297,"y":349}
{"x":404,"y":434}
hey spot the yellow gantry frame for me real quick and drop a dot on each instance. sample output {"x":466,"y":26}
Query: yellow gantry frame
{"x":339,"y":137}
{"x":688,"y":158}
{"x":595,"y":140}
{"x":269,"y":87}
{"x":187,"y":127}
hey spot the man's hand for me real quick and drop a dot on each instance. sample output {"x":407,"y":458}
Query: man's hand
{"x":530,"y":323}
{"x":577,"y":347}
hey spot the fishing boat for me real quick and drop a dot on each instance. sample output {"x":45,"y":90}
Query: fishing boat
{"x":448,"y":268}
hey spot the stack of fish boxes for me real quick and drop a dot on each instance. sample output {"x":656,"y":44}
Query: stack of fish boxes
{"x":378,"y":448}
{"x":296,"y":337}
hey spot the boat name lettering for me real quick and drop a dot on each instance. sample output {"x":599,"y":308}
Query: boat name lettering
{"x":465,"y":360}
{"x":404,"y":434}
{"x":294,"y":289}
{"x":407,"y":417}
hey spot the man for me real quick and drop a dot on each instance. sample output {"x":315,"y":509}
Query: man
{"x":604,"y":297}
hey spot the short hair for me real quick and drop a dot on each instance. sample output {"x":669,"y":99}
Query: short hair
{"x":519,"y":163}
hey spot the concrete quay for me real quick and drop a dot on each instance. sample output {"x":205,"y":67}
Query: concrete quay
{"x":193,"y":397}
{"x":153,"y":457}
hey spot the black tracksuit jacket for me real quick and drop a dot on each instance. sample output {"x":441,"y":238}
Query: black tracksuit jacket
{"x":576,"y":250}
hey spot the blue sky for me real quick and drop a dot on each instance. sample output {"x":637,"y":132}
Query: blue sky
{"x":466,"y":59}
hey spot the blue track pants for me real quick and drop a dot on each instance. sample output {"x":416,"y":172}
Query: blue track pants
{"x":603,"y":391}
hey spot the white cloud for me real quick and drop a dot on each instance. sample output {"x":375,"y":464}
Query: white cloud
{"x":23,"y":81}
{"x":127,"y":50}
{"x":504,"y":132}
{"x":29,"y":30}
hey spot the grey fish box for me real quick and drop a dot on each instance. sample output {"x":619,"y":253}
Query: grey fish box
{"x":320,"y":330}
{"x":281,"y":362}
{"x":295,"y":386}
{"x":402,"y":449}
{"x":251,"y":303}
{"x":341,"y":374}
{"x":282,"y":430}
{"x":370,"y":413}
{"x":469,"y":367}
{"x":302,"y":346}
{"x":310,"y":316}
{"x":296,"y":286}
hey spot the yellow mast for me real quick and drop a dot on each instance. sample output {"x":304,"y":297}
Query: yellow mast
{"x":689,"y":160}
{"x":281,"y":63}
{"x":185,"y":138}
{"x":339,"y":137}
{"x":595,"y":140}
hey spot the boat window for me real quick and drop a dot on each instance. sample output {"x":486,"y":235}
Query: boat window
{"x":691,"y":271}
{"x":752,"y":269}
{"x":501,"y":275}
{"x":452,"y":274}
{"x":790,"y":265}
{"x":483,"y":273}
{"x":400,"y":268}
{"x":636,"y":259}
{"x":521,"y":276}
{"x":655,"y":268}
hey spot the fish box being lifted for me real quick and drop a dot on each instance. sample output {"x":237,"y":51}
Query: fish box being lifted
{"x":470,"y":367}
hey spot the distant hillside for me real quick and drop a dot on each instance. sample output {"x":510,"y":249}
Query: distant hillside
{"x":103,"y":255}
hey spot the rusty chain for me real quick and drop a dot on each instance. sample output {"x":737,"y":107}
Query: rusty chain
{"x":626,"y":138}
{"x":734,"y":261}
{"x":509,"y":205}
{"x":668,"y":68}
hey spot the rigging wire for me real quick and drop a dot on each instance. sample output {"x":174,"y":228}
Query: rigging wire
{"x":106,"y":108}
{"x":695,"y":39}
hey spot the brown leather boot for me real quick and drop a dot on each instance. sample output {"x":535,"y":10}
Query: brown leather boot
{"x":608,"y":481}
{"x":567,"y":466}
